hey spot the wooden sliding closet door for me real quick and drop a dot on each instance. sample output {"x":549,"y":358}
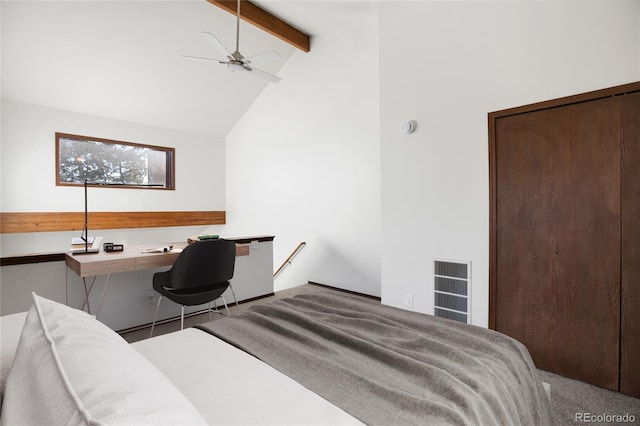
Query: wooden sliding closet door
{"x":630,"y":300}
{"x":557,"y":239}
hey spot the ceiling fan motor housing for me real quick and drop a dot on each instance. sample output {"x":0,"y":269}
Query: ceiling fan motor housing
{"x":236,"y":62}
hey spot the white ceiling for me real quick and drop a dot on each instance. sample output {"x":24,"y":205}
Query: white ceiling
{"x":121,"y":59}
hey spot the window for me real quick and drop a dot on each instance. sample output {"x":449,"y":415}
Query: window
{"x":113,"y":163}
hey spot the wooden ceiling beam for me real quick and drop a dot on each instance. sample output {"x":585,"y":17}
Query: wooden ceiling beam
{"x":264,"y":20}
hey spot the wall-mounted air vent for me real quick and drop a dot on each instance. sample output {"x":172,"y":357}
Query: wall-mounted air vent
{"x":452,"y":285}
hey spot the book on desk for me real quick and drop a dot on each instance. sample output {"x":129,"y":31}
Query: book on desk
{"x":80,"y":246}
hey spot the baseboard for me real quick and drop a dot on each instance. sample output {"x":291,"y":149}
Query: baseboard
{"x":192,"y":314}
{"x":379,"y":299}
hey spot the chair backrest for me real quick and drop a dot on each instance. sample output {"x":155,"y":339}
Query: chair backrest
{"x":204,"y":263}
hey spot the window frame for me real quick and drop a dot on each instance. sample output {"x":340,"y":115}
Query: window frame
{"x":169,"y":170}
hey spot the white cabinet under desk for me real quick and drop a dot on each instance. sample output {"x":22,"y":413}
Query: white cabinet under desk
{"x":253,"y":276}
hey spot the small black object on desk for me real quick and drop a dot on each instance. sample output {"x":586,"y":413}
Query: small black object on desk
{"x":110,"y":247}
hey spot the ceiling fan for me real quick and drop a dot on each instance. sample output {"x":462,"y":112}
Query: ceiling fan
{"x":235,"y":61}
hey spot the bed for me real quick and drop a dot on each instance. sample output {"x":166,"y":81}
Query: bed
{"x":311,"y":359}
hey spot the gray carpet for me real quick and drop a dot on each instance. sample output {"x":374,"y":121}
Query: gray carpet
{"x":571,"y":399}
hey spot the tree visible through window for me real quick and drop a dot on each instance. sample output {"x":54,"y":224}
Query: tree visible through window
{"x":107,"y":162}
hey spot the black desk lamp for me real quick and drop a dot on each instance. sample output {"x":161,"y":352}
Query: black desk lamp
{"x":85,"y":232}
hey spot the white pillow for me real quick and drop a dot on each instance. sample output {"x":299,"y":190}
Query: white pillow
{"x":71,"y":369}
{"x":10,"y":329}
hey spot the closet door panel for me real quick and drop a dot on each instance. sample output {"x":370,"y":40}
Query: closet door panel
{"x":630,"y":300}
{"x":558,"y":237}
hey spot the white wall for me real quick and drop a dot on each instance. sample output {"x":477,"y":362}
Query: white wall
{"x":459,"y":61}
{"x":303,"y":164}
{"x":28,"y":174}
{"x":28,"y":164}
{"x":27,"y":152}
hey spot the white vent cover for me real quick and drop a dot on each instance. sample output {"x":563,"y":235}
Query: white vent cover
{"x":452,"y":290}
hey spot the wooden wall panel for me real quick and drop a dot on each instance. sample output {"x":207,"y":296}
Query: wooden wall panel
{"x":24,"y":222}
{"x":630,"y":287}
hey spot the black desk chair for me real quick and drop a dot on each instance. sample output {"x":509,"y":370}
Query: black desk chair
{"x":200,"y":275}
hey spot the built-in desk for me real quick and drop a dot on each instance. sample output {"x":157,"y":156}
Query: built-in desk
{"x":135,"y":258}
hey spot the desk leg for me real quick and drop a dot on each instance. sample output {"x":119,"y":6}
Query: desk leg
{"x":66,"y":285}
{"x":104,"y":290}
{"x":87,"y":293}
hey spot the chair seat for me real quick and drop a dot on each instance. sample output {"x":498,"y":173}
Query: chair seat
{"x":192,"y":296}
{"x":200,"y":274}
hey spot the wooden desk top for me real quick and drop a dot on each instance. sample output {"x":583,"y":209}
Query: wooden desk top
{"x":30,"y":258}
{"x":131,"y":259}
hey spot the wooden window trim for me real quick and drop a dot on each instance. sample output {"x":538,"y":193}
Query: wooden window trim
{"x":170,"y":183}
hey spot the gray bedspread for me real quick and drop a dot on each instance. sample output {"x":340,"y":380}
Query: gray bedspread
{"x":387,"y":366}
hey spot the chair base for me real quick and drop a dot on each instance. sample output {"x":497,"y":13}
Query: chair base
{"x":233,"y":293}
{"x":153,"y":324}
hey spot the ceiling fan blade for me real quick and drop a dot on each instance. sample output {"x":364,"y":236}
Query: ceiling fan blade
{"x":217,"y":43}
{"x":272,"y":78}
{"x":204,"y":59}
{"x":235,"y":61}
{"x":271,"y":52}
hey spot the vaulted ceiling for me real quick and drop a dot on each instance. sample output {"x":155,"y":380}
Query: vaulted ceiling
{"x":122,"y":60}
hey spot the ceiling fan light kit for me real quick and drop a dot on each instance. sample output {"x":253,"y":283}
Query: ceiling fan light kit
{"x":234,"y":66}
{"x":235,"y":61}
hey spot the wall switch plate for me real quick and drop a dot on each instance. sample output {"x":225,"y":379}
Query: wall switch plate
{"x":408,"y":300}
{"x":254,"y":244}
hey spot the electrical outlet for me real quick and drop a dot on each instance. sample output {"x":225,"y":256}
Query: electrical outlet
{"x":151,"y":295}
{"x":254,"y":244}
{"x":408,"y":300}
